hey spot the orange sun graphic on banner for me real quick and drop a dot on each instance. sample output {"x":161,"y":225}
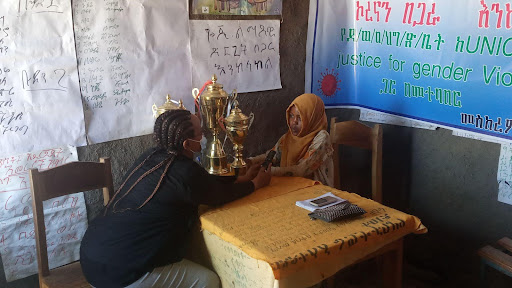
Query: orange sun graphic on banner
{"x":329,"y":83}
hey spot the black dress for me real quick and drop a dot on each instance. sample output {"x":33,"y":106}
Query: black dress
{"x":119,"y":248}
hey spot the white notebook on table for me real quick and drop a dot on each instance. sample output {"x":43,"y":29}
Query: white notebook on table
{"x":310,"y":207}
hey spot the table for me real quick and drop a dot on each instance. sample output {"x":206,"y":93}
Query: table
{"x":265,"y":240}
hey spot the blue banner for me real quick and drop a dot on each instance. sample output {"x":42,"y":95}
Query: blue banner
{"x":444,"y":62}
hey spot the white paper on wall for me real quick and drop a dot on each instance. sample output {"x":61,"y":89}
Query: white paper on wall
{"x":65,"y":217}
{"x":244,"y":54}
{"x":385,"y":118}
{"x":505,"y":192}
{"x":505,"y":174}
{"x":505,"y":163}
{"x":131,"y":54}
{"x":39,"y":90}
{"x":478,"y":136}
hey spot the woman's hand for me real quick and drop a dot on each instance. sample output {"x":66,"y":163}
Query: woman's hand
{"x":251,"y":172}
{"x":263,"y":178}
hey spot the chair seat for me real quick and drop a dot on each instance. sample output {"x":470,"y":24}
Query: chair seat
{"x":506,"y":243}
{"x":66,"y":276}
{"x":497,"y":259}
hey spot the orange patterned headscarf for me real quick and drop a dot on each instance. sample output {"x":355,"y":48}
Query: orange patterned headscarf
{"x":312,"y":113}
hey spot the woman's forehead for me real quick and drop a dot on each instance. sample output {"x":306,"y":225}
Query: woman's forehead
{"x":195,"y":120}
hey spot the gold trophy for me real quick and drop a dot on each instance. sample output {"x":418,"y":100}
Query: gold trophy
{"x":237,"y":127}
{"x":168,"y":105}
{"x":213,"y":105}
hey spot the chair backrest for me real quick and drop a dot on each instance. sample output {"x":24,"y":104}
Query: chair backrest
{"x":356,"y":134}
{"x":59,"y":181}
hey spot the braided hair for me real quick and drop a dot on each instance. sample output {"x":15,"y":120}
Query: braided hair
{"x":171,"y":129}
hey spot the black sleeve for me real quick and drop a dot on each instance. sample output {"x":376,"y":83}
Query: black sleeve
{"x":216,"y":190}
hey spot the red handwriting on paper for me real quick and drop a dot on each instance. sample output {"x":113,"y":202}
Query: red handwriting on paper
{"x":14,"y":169}
{"x":371,"y":12}
{"x":497,"y":10}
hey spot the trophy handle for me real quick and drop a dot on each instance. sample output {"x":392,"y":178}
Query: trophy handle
{"x":251,"y":119}
{"x":195,"y":93}
{"x":231,"y":102}
{"x":234,"y":94}
{"x":154,"y":108}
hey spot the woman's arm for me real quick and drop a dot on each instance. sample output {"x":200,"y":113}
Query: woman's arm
{"x":216,"y":190}
{"x":319,"y":151}
{"x":257,"y":158}
{"x":260,"y":158}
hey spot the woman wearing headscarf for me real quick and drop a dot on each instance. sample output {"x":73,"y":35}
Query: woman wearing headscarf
{"x":305,"y":150}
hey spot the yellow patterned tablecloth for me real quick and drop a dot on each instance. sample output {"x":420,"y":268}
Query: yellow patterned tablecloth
{"x":267,"y":226}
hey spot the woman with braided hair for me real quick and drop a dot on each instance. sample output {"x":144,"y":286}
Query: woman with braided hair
{"x":139,"y":240}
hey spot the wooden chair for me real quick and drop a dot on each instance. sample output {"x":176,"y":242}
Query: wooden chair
{"x":356,"y":134}
{"x":59,"y":181}
{"x":498,"y":258}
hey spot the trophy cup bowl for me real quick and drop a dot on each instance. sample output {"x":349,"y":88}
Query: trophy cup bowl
{"x":237,"y":129}
{"x":213,"y":104}
{"x":167,"y":106}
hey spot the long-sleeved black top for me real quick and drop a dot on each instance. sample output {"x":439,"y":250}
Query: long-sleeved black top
{"x":119,"y":247}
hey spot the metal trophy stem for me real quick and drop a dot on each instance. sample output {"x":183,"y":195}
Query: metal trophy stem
{"x":237,"y":127}
{"x":213,"y":104}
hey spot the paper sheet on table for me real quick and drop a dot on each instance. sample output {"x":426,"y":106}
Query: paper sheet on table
{"x":65,"y":217}
{"x":306,"y":203}
{"x":244,"y":54}
{"x":38,"y":77}
{"x":131,"y":54}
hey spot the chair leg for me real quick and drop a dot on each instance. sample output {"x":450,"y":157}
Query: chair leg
{"x":483,"y":275}
{"x":392,"y":267}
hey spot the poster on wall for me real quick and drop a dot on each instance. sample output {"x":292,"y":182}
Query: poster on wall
{"x":443,"y":62}
{"x":65,"y":217}
{"x":244,"y":54}
{"x":237,"y":7}
{"x":38,"y":77}
{"x":131,"y":54}
{"x":504,"y":174}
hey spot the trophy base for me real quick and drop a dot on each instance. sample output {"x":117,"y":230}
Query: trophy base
{"x":240,"y":165}
{"x":216,"y":166}
{"x":215,"y":161}
{"x":241,"y":170}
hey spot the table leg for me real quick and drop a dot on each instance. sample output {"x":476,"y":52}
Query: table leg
{"x":392,"y":266}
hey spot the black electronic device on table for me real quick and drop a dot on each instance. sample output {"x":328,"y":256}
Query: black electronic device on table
{"x":320,"y":202}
